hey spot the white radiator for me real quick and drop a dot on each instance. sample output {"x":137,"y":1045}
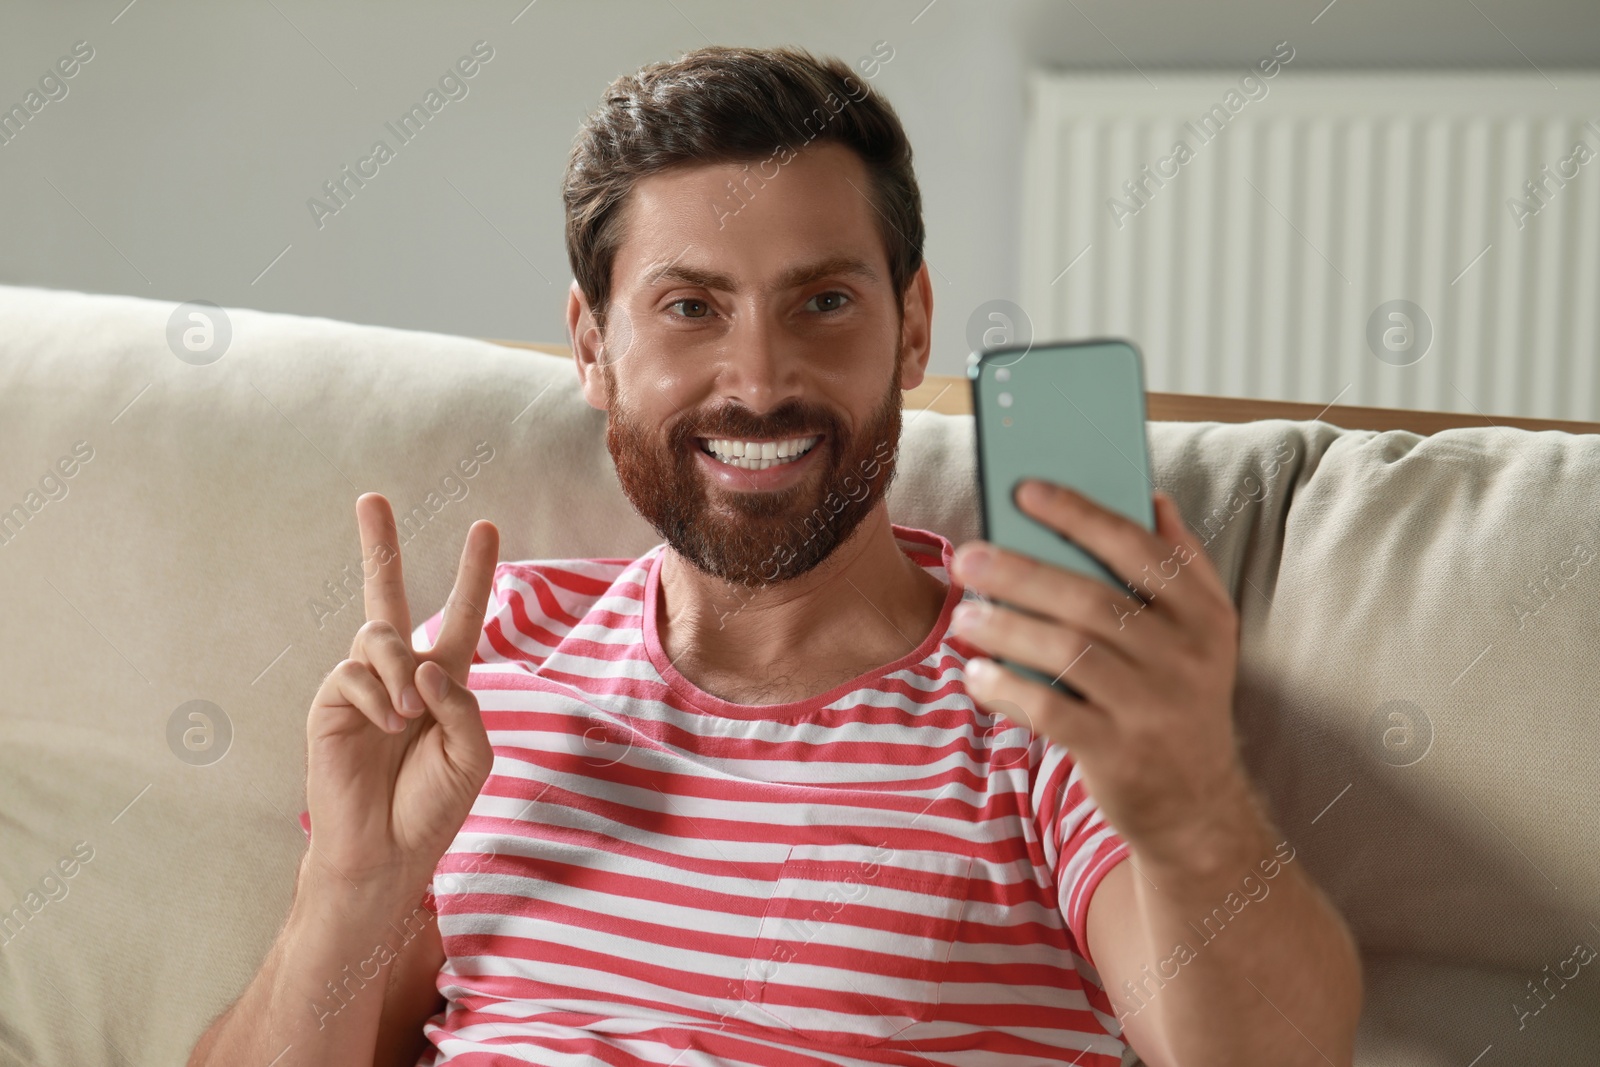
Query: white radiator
{"x":1253,"y":262}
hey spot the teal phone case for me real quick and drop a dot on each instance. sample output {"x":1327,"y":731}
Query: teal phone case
{"x":1072,"y":413}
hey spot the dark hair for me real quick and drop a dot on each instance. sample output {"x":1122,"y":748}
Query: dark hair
{"x":721,"y":105}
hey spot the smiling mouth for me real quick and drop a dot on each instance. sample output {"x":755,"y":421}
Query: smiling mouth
{"x":758,"y":455}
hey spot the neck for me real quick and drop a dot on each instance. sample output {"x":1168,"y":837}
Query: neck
{"x":867,"y":604}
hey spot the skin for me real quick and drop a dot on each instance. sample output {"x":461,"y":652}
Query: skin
{"x":391,"y":778}
{"x":1154,"y":736}
{"x":1279,"y":980}
{"x":759,"y":343}
{"x":396,"y":753}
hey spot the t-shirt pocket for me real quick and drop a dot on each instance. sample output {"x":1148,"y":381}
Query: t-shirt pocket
{"x":854,"y":941}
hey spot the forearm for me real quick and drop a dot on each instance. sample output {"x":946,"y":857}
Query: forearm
{"x":1249,"y":962}
{"x":318,"y":995}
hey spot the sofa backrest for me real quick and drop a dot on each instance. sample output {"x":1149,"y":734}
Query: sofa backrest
{"x":1417,"y":692}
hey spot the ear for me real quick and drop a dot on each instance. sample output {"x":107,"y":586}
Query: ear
{"x":916,"y":330}
{"x":584,"y":337}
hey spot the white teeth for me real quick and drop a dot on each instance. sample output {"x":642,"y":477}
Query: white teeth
{"x":753,"y":455}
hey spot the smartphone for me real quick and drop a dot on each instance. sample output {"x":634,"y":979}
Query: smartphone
{"x":1072,"y":413}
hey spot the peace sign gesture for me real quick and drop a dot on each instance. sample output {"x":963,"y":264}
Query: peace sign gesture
{"x":396,"y":751}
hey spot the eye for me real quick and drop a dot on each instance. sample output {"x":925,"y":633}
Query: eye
{"x":829,"y":301}
{"x":691,"y":308}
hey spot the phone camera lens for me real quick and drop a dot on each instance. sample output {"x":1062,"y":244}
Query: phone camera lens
{"x":1002,"y":374}
{"x":1005,"y":400}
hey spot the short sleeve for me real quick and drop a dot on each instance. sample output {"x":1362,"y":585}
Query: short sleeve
{"x":1080,"y":847}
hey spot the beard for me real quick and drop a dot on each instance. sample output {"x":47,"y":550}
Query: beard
{"x":753,"y":538}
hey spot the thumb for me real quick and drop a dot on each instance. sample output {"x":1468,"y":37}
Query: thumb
{"x":455,"y":707}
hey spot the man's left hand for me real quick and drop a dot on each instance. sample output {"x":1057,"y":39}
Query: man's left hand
{"x":1153,"y":734}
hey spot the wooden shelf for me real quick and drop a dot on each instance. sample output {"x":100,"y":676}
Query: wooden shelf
{"x":950,"y":394}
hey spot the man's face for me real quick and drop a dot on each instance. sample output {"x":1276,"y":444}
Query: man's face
{"x":766,"y":317}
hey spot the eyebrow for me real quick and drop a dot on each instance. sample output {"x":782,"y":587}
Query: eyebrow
{"x":793,"y":278}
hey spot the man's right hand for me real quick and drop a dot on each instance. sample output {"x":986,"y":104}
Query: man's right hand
{"x":396,"y":748}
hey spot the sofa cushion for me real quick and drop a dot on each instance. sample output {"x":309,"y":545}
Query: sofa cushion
{"x":203,"y":549}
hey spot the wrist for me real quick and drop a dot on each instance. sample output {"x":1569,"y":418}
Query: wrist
{"x":1229,"y":834}
{"x":381,"y":895}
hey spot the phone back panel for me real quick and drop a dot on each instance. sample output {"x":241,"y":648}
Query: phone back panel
{"x":1070,"y":413}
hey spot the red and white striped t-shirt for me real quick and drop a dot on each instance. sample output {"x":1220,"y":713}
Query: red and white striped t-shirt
{"x":651,"y":875}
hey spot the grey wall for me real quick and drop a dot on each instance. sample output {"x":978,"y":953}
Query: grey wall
{"x":179,"y":163}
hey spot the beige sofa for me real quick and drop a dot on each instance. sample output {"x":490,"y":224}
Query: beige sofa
{"x":187,"y":534}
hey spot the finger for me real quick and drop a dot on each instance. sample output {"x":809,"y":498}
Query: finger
{"x":1146,"y":561}
{"x":388,"y":653}
{"x":466,"y":742}
{"x":1104,"y":673}
{"x":383,"y":584}
{"x":1052,"y":592}
{"x":1079,"y":725}
{"x":469,"y":600}
{"x":354,"y":685}
{"x":1190,"y":554}
{"x":1170,"y":524}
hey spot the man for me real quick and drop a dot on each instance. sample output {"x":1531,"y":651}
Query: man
{"x":745,"y":799}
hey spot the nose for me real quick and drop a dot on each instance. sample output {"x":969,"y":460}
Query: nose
{"x":761,"y":367}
